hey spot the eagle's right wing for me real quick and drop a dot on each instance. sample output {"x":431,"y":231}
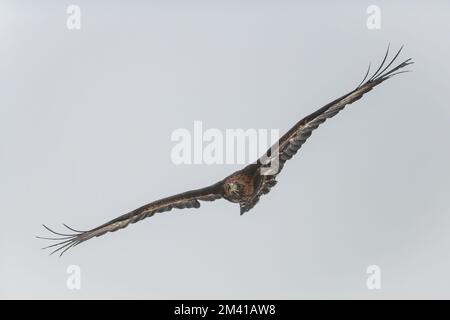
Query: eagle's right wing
{"x":189,"y":199}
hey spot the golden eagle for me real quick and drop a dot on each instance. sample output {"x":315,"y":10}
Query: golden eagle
{"x":245,"y":186}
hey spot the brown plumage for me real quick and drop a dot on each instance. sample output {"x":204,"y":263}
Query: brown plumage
{"x":245,"y":186}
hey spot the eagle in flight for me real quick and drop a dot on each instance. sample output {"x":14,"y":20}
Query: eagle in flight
{"x":247,"y":185}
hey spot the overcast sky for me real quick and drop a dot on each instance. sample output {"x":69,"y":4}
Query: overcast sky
{"x":86,"y":118}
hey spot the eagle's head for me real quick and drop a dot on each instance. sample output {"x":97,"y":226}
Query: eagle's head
{"x":234,"y":191}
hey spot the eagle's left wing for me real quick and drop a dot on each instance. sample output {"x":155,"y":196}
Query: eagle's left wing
{"x":290,"y":143}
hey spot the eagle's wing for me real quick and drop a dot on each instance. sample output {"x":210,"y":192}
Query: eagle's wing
{"x":291,"y":142}
{"x":189,"y":199}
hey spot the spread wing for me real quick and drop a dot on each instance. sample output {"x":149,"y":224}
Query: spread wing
{"x":189,"y":199}
{"x":288,"y":145}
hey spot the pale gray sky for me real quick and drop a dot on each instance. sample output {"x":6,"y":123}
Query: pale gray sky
{"x":86,"y":118}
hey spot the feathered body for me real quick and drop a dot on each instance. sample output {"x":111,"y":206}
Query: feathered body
{"x":245,"y":186}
